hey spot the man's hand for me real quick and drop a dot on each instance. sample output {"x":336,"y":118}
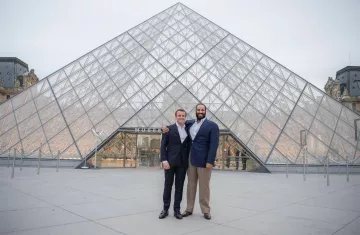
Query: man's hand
{"x":166,"y":165}
{"x":165,"y":129}
{"x":209,"y":166}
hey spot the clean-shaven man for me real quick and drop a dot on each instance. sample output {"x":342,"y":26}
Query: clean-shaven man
{"x":175,"y":147}
{"x":204,"y":143}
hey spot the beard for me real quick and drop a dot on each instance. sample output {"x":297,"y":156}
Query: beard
{"x":201,"y":116}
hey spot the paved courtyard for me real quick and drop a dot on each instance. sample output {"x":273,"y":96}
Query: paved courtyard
{"x":128,"y":201}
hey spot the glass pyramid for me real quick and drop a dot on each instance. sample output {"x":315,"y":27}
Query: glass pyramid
{"x":177,"y":59}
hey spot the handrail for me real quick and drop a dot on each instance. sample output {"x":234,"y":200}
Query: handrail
{"x":347,"y":161}
{"x":22,"y":156}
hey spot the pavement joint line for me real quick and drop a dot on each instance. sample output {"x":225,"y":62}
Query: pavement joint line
{"x":346,"y":225}
{"x":228,"y":226}
{"x":118,"y":216}
{"x":75,"y":213}
{"x":50,"y":226}
{"x":197,"y":230}
{"x":245,"y":217}
{"x":70,"y":213}
{"x":340,"y":209}
{"x":23,"y":209}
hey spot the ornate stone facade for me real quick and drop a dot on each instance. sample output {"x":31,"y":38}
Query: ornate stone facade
{"x":346,"y":87}
{"x":22,"y":82}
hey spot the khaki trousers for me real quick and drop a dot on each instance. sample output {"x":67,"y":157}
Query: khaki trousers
{"x":202,"y":175}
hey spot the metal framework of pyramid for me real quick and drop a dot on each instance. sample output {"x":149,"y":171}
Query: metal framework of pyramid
{"x":177,"y":59}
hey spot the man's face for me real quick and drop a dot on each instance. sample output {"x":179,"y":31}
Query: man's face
{"x":180,"y":117}
{"x":200,"y":112}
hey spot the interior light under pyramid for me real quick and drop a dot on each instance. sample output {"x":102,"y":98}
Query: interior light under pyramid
{"x":177,"y":59}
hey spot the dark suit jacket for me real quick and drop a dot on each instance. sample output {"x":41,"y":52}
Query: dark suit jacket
{"x":205,"y":144}
{"x":172,"y":150}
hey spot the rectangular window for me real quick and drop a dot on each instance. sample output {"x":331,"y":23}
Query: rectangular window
{"x":7,"y":97}
{"x":354,"y":106}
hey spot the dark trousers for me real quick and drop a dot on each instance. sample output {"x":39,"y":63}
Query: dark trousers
{"x":179,"y":174}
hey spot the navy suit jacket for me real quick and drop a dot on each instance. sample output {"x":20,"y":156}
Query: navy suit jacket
{"x":172,"y":150}
{"x":205,"y":144}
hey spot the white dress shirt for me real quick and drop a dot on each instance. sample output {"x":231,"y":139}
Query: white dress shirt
{"x":182,"y":133}
{"x":194,"y":129}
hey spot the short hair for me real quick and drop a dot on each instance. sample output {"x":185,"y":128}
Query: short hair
{"x":200,"y":104}
{"x":180,"y":110}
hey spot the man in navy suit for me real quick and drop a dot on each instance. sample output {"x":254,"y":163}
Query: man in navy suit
{"x":175,"y":147}
{"x":204,"y":143}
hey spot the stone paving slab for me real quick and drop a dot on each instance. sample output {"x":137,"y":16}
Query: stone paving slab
{"x":128,"y":201}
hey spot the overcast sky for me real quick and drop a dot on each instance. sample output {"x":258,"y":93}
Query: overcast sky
{"x":313,"y":38}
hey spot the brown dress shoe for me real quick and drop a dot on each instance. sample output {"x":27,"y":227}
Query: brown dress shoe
{"x":186,"y":214}
{"x":207,"y":216}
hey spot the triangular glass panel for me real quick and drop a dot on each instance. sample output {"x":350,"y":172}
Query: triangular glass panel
{"x":176,"y":89}
{"x":332,"y":105}
{"x":311,"y":160}
{"x":44,"y":99}
{"x":142,"y":79}
{"x":313,"y":93}
{"x":226,"y":115}
{"x":167,"y":60}
{"x":160,"y":122}
{"x":7,"y":122}
{"x":236,"y":103}
{"x":187,"y":79}
{"x":29,"y":125}
{"x":138,"y":101}
{"x":212,"y":117}
{"x":123,"y":113}
{"x":5,"y":108}
{"x":106,"y":127}
{"x":187,"y":101}
{"x":9,"y":139}
{"x":297,"y":82}
{"x":70,"y":153}
{"x":33,"y":141}
{"x":80,"y":126}
{"x":169,"y":114}
{"x":21,"y":99}
{"x":135,"y":121}
{"x":163,"y":101}
{"x":165,"y":79}
{"x":277,"y":158}
{"x":290,"y":92}
{"x":259,"y":146}
{"x":54,"y":126}
{"x":212,"y":102}
{"x":25,"y":111}
{"x":222,"y":91}
{"x":149,"y":114}
{"x":252,"y":116}
{"x":152,"y":89}
{"x":176,"y":69}
{"x":37,"y":89}
{"x":72,"y":68}
{"x":302,"y":117}
{"x":288,"y":147}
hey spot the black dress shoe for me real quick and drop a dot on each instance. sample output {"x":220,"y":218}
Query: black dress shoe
{"x":186,"y":214}
{"x":163,"y":214}
{"x":207,"y":216}
{"x":178,"y":215}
